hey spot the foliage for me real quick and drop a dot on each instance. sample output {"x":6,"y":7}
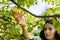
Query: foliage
{"x":10,"y":30}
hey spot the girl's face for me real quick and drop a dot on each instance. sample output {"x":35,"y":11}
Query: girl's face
{"x":49,"y":31}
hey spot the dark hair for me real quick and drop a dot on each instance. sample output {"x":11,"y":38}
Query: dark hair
{"x":42,"y":36}
{"x":49,"y":21}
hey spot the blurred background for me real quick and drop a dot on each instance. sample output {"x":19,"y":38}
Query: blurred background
{"x":10,"y":30}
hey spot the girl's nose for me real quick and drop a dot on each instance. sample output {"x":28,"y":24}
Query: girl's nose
{"x":47,"y":31}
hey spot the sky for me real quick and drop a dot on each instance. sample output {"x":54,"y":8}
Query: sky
{"x":39,"y":8}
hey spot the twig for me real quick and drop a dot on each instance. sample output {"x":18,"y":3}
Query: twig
{"x":32,"y":13}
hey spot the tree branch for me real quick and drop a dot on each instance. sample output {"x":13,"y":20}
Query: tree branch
{"x":32,"y":13}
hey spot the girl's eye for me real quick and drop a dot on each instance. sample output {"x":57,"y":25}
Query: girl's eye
{"x":50,"y":28}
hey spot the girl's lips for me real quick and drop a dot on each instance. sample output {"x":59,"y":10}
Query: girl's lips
{"x":47,"y":35}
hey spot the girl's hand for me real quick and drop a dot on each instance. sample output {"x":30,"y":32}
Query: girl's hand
{"x":19,"y":18}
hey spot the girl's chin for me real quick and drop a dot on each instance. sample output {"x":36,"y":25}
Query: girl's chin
{"x":48,"y":37}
